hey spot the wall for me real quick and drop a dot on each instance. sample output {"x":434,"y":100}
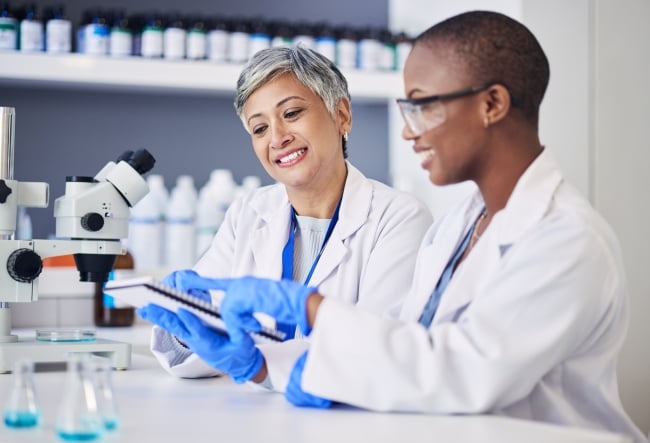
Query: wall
{"x":622,"y":155}
{"x":75,"y":132}
{"x":593,"y":119}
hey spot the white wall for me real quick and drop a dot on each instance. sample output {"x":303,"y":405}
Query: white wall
{"x":592,"y":118}
{"x":621,"y":171}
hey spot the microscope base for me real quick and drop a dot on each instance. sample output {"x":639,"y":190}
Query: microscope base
{"x":48,"y":352}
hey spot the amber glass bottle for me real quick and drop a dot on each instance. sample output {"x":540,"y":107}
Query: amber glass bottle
{"x":108,"y":311}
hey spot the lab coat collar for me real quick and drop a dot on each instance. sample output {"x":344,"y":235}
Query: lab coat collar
{"x":530,"y":200}
{"x":354,"y":212}
{"x":527,"y":205}
{"x":274,"y":209}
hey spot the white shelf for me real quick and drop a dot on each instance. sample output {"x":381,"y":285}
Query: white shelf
{"x":159,"y":76}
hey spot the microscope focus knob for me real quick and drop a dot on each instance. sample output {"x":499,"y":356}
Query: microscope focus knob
{"x":24,"y":265}
{"x":92,"y":221}
{"x":4,"y":191}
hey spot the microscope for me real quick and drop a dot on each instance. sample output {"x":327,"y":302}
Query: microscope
{"x":91,"y":219}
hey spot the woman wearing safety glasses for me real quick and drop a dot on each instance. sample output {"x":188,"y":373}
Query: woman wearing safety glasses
{"x":518,"y":305}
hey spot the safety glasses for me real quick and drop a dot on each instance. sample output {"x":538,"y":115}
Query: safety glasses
{"x":425,"y":113}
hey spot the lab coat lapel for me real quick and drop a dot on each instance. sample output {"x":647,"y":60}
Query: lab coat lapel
{"x":437,"y":251}
{"x":269,"y":239}
{"x":355,"y":207}
{"x":528,"y":203}
{"x":469,"y":276}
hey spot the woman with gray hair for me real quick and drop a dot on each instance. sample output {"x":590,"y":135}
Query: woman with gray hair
{"x":323,"y":224}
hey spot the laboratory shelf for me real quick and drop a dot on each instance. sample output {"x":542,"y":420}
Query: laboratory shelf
{"x":159,"y":76}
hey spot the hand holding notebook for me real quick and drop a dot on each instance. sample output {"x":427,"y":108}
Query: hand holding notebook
{"x":142,"y":291}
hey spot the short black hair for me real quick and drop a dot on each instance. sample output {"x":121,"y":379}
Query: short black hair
{"x":496,"y":48}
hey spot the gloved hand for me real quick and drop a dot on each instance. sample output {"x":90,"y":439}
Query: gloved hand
{"x":296,"y":395}
{"x":241,"y":360}
{"x":182,"y":280}
{"x":285,"y":300}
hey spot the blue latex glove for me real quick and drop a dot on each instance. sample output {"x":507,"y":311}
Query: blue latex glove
{"x":182,"y":280}
{"x":296,"y":395}
{"x":241,"y":360}
{"x":285,"y":300}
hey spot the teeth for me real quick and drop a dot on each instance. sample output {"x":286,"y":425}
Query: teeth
{"x":425,"y":155}
{"x":292,"y":156}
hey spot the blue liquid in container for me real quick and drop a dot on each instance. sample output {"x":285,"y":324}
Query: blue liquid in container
{"x":21,"y":419}
{"x":111,"y":424}
{"x":78,"y":436}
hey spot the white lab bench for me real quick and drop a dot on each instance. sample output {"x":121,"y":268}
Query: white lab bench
{"x":157,"y":407}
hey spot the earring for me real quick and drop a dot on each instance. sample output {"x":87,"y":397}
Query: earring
{"x":345,"y":136}
{"x":486,"y":122}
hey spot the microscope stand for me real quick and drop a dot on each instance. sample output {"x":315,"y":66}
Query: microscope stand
{"x":57,"y":351}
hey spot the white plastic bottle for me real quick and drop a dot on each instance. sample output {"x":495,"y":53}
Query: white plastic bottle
{"x":31,"y":32}
{"x":248,"y":183}
{"x":214,"y":199}
{"x":145,"y":233}
{"x":157,"y":188}
{"x":180,"y":235}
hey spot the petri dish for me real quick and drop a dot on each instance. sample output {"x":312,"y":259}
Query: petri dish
{"x":65,"y":335}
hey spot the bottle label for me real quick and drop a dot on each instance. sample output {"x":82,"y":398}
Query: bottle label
{"x":258,"y":42}
{"x":218,"y":46}
{"x":196,"y":45}
{"x":97,"y":39}
{"x":174,"y":43}
{"x":347,"y":54}
{"x":8,"y":34}
{"x":152,"y":42}
{"x":58,"y":36}
{"x":238,"y":47}
{"x":327,"y":47}
{"x":121,"y":42}
{"x":31,"y":35}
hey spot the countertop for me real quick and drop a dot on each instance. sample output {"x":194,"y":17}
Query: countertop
{"x":157,"y":407}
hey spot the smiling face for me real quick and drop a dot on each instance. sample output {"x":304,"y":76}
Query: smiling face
{"x":451,"y":152}
{"x":295,"y":138}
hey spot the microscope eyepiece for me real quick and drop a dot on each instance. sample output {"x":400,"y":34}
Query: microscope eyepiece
{"x":126,"y":155}
{"x":142,"y":161}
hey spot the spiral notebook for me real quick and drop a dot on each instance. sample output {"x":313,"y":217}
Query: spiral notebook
{"x":141,"y":291}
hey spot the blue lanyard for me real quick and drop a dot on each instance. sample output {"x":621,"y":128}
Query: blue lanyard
{"x":287,"y":252}
{"x":434,"y":300}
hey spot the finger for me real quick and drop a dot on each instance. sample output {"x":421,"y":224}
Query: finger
{"x":240,"y":326}
{"x":198,"y":328}
{"x":164,"y":319}
{"x":195,"y":281}
{"x":176,"y":278}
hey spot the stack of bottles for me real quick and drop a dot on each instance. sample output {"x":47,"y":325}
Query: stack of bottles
{"x":25,"y":30}
{"x":182,"y":37}
{"x":171,"y":230}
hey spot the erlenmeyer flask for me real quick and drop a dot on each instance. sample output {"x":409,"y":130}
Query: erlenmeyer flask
{"x":21,"y":409}
{"x":105,"y":396}
{"x":79,"y":418}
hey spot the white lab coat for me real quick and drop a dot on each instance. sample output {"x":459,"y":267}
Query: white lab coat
{"x":368,"y":260}
{"x":529,"y":326}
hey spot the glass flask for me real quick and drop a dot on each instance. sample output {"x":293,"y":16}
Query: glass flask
{"x":79,"y":418}
{"x":105,"y":395}
{"x":22,"y":410}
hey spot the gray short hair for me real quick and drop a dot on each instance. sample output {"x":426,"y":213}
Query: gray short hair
{"x":312,"y":69}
